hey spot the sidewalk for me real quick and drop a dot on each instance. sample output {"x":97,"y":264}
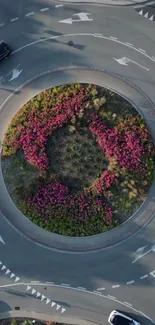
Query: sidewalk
{"x":112,"y":2}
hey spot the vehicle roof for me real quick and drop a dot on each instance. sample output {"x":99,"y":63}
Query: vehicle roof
{"x":120,"y":320}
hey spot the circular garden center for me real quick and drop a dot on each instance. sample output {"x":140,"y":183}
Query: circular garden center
{"x":78,"y":160}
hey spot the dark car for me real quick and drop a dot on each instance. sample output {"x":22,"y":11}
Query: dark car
{"x":117,"y":318}
{"x":4,"y":50}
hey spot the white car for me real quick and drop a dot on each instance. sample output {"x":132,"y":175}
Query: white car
{"x":117,"y":318}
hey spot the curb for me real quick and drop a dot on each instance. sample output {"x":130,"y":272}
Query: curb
{"x":77,"y":244}
{"x":44,"y":317}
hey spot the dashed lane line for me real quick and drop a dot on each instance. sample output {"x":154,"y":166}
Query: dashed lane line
{"x":44,"y":9}
{"x":14,"y":19}
{"x":29,"y":14}
{"x":130,"y":282}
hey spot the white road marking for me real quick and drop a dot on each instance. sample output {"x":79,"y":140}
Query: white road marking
{"x":125,"y":61}
{"x":153,"y":57}
{"x":83,"y":16}
{"x":44,"y":9}
{"x":65,"y":284}
{"x":153,"y":247}
{"x":14,"y":19}
{"x":100,"y":289}
{"x":127,"y":303}
{"x":63,"y":310}
{"x":58,"y":307}
{"x":151,"y":18}
{"x":97,"y":34}
{"x":29,"y":14}
{"x":79,"y":34}
{"x":130,"y":282}
{"x":43,"y":297}
{"x":129,"y":44}
{"x":144,"y":276}
{"x":53,"y":304}
{"x":28,"y":288}
{"x":153,"y":273}
{"x":33,"y":291}
{"x":97,"y":292}
{"x":34,"y":282}
{"x":50,"y":282}
{"x":38,"y":294}
{"x":146,"y":15}
{"x":142,"y":50}
{"x":2,"y":24}
{"x":115,"y":38}
{"x":12,"y":275}
{"x":7,"y":271}
{"x":47,"y":301}
{"x":3,"y":267}
{"x":81,"y":288}
{"x":15,"y":74}
{"x":17,"y":279}
{"x":141,"y":12}
{"x":58,"y":6}
{"x":116,"y":286}
{"x":89,"y":292}
{"x":112,"y":297}
{"x":1,"y":240}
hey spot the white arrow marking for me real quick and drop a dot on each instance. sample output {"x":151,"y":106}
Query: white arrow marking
{"x":1,"y":239}
{"x":63,"y":310}
{"x":3,"y":267}
{"x":125,"y":60}
{"x":15,"y":74}
{"x":42,"y":297}
{"x":28,"y":288}
{"x":7,"y":271}
{"x":33,"y":291}
{"x":153,"y":274}
{"x":52,"y":304}
{"x":142,"y":255}
{"x":17,"y":279}
{"x":47,"y":301}
{"x":12,"y":275}
{"x":83,"y":16}
{"x":58,"y":306}
{"x":38,"y":294}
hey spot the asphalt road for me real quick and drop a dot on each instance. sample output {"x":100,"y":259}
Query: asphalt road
{"x":40,"y":43}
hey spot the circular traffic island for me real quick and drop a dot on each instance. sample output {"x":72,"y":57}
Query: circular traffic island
{"x":78,"y":160}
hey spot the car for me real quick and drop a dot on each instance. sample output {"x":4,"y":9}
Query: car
{"x":118,"y":318}
{"x":4,"y":50}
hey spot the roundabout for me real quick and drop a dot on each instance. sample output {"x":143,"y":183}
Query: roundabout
{"x":125,"y":56}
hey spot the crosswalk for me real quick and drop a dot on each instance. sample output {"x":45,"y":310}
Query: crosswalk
{"x":147,"y":12}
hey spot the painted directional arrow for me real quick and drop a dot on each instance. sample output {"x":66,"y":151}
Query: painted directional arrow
{"x":141,"y":254}
{"x":125,"y":61}
{"x":15,"y":74}
{"x":83,"y":16}
{"x":2,"y":241}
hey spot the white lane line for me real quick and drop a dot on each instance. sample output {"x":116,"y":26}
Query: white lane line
{"x":14,"y":19}
{"x":100,"y":289}
{"x":112,"y":297}
{"x":1,"y":24}
{"x":58,"y":6}
{"x":44,"y":9}
{"x":142,"y":50}
{"x":81,"y":288}
{"x":130,"y":282}
{"x":82,"y":34}
{"x":144,"y":276}
{"x":116,"y":286}
{"x":29,"y":14}
{"x":129,"y":44}
{"x":113,"y":37}
{"x":97,"y":34}
{"x":127,"y":303}
{"x":65,"y":284}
